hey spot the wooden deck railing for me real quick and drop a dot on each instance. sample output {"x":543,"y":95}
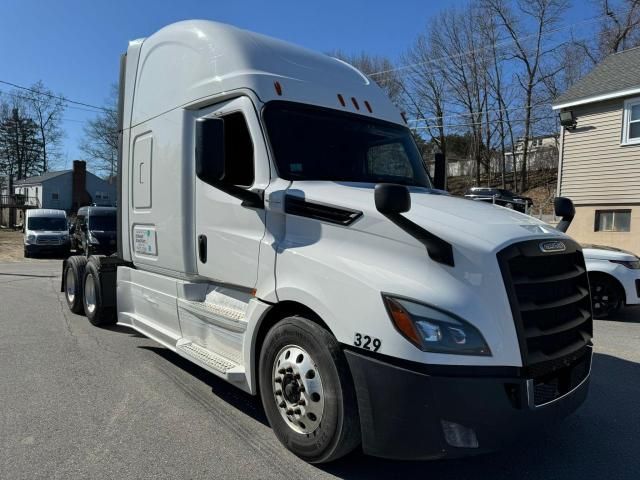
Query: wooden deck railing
{"x":19,"y":201}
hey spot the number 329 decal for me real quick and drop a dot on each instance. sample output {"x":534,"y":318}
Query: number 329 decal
{"x":367,"y":342}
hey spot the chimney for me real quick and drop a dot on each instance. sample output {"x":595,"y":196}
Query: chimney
{"x":79,"y":195}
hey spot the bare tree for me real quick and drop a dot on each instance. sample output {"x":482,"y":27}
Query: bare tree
{"x":620,"y":27}
{"x":426,"y":98}
{"x":526,"y":25}
{"x":46,"y":111}
{"x":454,"y":34}
{"x":618,"y":30}
{"x":100,"y":142}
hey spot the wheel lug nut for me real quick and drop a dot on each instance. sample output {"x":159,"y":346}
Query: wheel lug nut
{"x":278,"y":392}
{"x":297,"y":376}
{"x":281,"y":371}
{"x":297,"y":411}
{"x":282,"y":404}
{"x":301,"y":402}
{"x":289,"y":369}
{"x":278,"y":380}
{"x":290,"y":411}
{"x":301,"y":388}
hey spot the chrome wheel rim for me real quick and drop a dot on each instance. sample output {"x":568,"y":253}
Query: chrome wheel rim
{"x":70,"y":282}
{"x":90,"y":294}
{"x":297,"y":389}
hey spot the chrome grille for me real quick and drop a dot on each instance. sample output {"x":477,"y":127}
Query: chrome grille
{"x":48,"y":240}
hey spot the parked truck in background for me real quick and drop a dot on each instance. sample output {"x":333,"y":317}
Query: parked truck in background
{"x":277,"y":228}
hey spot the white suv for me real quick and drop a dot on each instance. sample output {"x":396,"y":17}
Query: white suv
{"x":614,"y":276}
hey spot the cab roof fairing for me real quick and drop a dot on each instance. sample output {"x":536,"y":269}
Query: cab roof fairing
{"x":187,"y":61}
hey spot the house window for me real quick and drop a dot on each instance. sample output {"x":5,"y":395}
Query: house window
{"x":631,"y":127}
{"x":613,"y":221}
{"x":102,"y":196}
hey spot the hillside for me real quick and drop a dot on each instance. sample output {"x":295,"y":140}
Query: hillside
{"x":542,"y":187}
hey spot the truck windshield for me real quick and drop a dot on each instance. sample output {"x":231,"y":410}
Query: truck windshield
{"x":57,"y":224}
{"x":104,"y":223}
{"x":313,"y":143}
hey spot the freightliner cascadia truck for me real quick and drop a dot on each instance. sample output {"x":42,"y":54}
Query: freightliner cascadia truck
{"x":277,"y":227}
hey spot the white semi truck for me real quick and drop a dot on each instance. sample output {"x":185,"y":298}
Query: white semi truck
{"x":278,"y":229}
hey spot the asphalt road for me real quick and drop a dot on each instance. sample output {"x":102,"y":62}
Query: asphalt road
{"x":81,"y":402}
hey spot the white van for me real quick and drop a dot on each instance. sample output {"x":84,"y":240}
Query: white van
{"x":45,"y":231}
{"x":277,"y":227}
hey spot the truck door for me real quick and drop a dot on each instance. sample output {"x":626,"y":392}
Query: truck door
{"x":228,"y":233}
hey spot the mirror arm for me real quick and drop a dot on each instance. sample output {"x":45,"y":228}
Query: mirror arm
{"x":439,"y":250}
{"x":563,"y":225}
{"x":250,"y":199}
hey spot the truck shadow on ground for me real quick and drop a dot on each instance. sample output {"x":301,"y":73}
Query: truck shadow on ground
{"x":598,"y":441}
{"x":242,"y":401}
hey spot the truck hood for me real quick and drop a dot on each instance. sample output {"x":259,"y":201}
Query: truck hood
{"x":458,"y":220}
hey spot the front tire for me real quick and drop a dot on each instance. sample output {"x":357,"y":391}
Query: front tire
{"x":307,"y":391}
{"x":96,"y":312}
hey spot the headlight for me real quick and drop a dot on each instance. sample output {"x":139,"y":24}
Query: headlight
{"x":434,"y":330}
{"x":31,"y":238}
{"x":633,"y":265}
{"x":93,"y":239}
{"x":65,"y":237}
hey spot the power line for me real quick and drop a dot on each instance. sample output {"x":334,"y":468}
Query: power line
{"x":485,"y":47}
{"x":426,"y":127}
{"x":482,"y":112}
{"x":66,"y":100}
{"x":23,"y":97}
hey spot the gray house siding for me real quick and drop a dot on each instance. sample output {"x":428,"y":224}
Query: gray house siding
{"x":96,"y":185}
{"x":60,"y":185}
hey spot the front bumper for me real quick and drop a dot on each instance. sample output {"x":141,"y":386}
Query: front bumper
{"x":630,"y":281}
{"x":404,"y":412}
{"x":34,"y":249}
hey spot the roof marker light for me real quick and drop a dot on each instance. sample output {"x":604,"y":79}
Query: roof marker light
{"x":341,"y":100}
{"x":278,"y":88}
{"x":366,"y":104}
{"x":355,"y":103}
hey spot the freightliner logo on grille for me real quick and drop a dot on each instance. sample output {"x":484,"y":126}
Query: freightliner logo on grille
{"x":552,"y":246}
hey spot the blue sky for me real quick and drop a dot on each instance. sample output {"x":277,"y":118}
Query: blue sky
{"x":73,"y":46}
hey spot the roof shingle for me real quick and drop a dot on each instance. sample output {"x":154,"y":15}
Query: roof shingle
{"x":41,"y":178}
{"x":617,"y":72}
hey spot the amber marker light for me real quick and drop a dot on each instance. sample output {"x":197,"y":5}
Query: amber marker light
{"x":402,"y":321}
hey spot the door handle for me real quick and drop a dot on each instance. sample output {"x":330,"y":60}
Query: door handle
{"x":202,"y":248}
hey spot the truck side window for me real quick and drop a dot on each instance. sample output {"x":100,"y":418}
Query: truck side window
{"x":238,"y":151}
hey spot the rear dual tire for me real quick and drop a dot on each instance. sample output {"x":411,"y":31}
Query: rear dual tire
{"x":307,"y":391}
{"x":83,"y":291}
{"x":96,"y":312}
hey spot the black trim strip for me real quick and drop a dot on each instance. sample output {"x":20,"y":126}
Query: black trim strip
{"x":326,"y":213}
{"x":439,"y":250}
{"x":440,"y":370}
